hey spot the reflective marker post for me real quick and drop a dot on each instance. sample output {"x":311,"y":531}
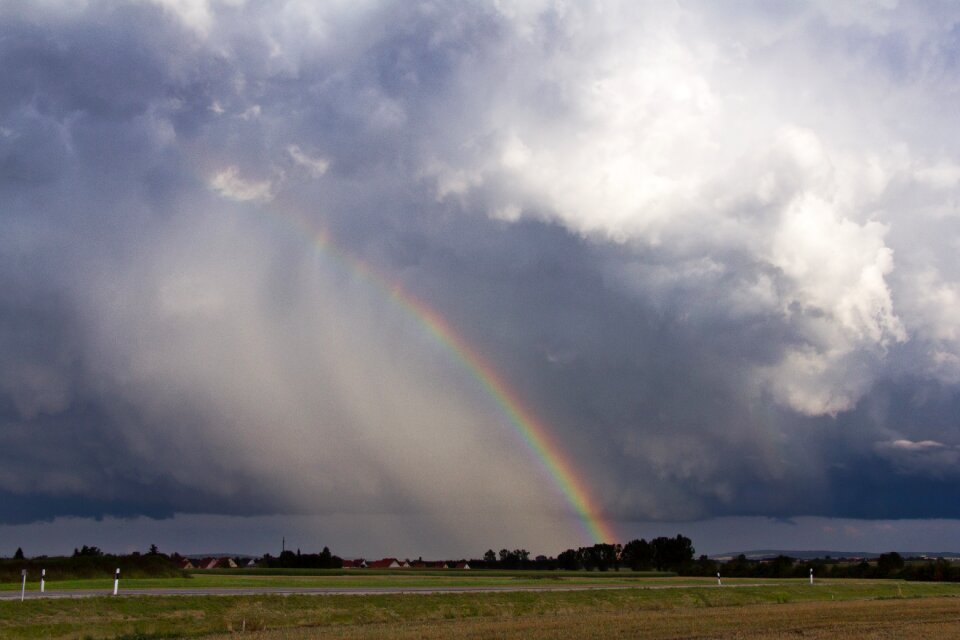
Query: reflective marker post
{"x":719,"y":584}
{"x":23,"y":587}
{"x":43,"y":577}
{"x":116,"y":581}
{"x":811,"y":575}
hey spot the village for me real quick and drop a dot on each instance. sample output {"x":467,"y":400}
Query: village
{"x":228,"y":562}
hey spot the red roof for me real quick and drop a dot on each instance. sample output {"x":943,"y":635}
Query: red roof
{"x":386,"y":563}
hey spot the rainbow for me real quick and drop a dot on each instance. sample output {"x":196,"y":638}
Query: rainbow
{"x":531,"y":430}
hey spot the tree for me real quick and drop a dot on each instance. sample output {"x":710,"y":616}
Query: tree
{"x":780,"y":567}
{"x":587,"y":558}
{"x":602,"y":556}
{"x":85,"y":551}
{"x":515,"y":559}
{"x":739,"y":566}
{"x":671,"y":553}
{"x":287,"y":559}
{"x":568,"y":560}
{"x":19,"y":554}
{"x":490,"y":558}
{"x":705,"y":566}
{"x":637,"y":554}
{"x":153,"y":550}
{"x":889,"y":564}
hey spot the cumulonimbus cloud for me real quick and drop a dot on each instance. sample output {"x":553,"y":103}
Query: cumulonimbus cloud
{"x":714,"y":251}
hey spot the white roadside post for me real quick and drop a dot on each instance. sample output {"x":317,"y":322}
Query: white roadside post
{"x":23,"y":587}
{"x":811,"y":575}
{"x":43,"y":578}
{"x":116,"y":581}
{"x":719,"y":584}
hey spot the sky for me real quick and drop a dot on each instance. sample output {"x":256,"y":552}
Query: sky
{"x":293,"y":270}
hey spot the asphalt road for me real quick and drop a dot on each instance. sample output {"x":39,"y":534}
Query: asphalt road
{"x":286,"y":591}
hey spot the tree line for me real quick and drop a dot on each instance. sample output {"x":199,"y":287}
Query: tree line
{"x":665,"y":554}
{"x":291,"y":560}
{"x":886,"y":565}
{"x":659,"y":554}
{"x":90,"y":562}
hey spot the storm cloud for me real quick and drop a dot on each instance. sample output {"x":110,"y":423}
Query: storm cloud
{"x":712,"y":248}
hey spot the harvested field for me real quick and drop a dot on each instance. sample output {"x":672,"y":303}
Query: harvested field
{"x":851,"y":620}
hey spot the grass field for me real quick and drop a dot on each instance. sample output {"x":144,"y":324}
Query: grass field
{"x":855,"y":609}
{"x":364,"y":579}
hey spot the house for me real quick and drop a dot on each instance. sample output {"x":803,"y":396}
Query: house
{"x":216,"y":563}
{"x":359,"y":563}
{"x":386,"y":563}
{"x":462,"y":565}
{"x":185,"y":563}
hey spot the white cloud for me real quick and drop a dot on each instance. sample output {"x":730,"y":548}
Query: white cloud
{"x":765,"y":138}
{"x":316,"y":166}
{"x":943,"y":175}
{"x":198,"y":15}
{"x":229,"y":184}
{"x":924,"y":457}
{"x":922,"y":445}
{"x":837,"y":268}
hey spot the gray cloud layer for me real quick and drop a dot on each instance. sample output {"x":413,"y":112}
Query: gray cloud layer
{"x":715,"y":252}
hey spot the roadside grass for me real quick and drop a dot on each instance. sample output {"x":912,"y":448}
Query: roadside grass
{"x":341,"y":576}
{"x":432,"y":572}
{"x":462,"y":614}
{"x":360,"y":580}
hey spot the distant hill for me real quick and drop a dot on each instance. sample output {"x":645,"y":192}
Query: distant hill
{"x":759,"y":554}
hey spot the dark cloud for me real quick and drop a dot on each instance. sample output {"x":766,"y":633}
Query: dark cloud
{"x":721,"y":302}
